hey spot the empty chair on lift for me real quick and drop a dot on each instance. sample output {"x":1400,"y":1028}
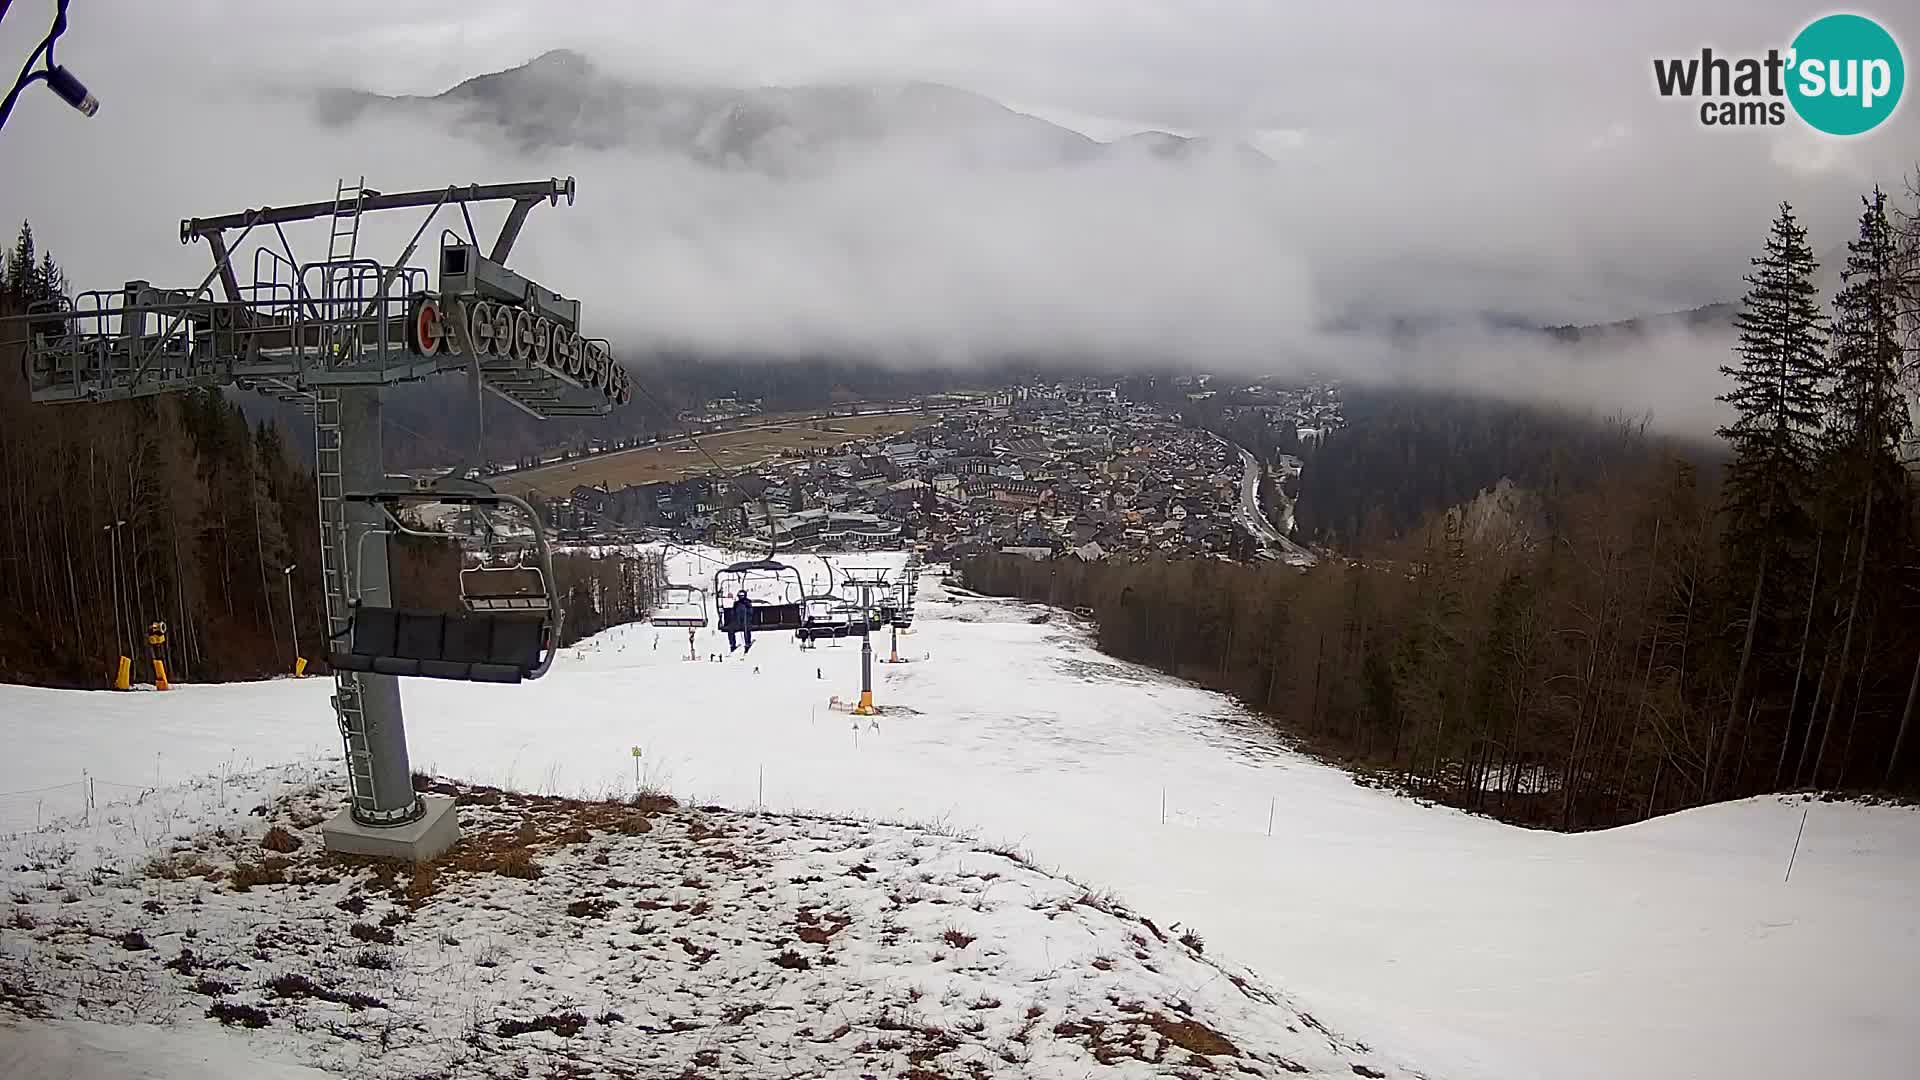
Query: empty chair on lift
{"x":681,"y":605}
{"x":505,"y":634}
{"x":503,"y":588}
{"x":821,"y":618}
{"x":478,"y":647}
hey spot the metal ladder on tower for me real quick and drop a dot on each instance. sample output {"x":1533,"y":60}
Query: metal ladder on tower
{"x":337,"y":339}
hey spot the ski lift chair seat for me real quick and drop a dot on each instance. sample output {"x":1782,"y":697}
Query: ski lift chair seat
{"x":765,"y":618}
{"x":476,"y":647}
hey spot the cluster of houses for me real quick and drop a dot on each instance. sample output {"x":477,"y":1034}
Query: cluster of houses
{"x":721,"y":409}
{"x":1311,"y":410}
{"x":1038,"y":470}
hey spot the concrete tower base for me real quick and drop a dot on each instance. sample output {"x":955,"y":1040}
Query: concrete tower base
{"x":419,"y":841}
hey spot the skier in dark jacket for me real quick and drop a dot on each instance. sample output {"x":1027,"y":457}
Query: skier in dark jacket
{"x":742,"y":620}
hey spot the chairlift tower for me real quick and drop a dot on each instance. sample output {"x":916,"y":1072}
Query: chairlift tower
{"x":868,"y":581}
{"x":328,"y":335}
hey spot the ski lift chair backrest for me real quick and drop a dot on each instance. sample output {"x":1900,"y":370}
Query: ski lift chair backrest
{"x":504,"y":588}
{"x":682,"y":605}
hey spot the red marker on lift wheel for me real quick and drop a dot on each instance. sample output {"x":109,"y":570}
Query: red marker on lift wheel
{"x":426,"y":327}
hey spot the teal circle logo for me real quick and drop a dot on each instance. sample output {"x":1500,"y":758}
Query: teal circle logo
{"x":1846,"y":74}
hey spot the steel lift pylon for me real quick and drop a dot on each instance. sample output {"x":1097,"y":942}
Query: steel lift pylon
{"x":329,"y":335}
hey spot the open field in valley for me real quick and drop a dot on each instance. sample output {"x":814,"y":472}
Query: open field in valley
{"x":676,"y":459}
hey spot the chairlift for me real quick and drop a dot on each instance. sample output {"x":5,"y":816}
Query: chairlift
{"x":786,"y":614}
{"x":822,"y":617}
{"x":853,"y":615}
{"x":891,"y":602}
{"x":506,"y":628}
{"x":682,"y":605}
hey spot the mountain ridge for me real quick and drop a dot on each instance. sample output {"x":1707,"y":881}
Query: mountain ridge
{"x":562,"y":98}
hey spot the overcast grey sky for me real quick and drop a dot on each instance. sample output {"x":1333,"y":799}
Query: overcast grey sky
{"x":1432,"y":159}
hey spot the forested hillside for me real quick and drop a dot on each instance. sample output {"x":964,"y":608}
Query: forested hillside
{"x":169,"y":508}
{"x":1406,"y":454}
{"x":1580,"y":681}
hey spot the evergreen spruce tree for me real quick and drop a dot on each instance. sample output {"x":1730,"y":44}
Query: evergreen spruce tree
{"x":1867,"y":415}
{"x":18,"y":281}
{"x":49,"y":283}
{"x":1864,"y":485}
{"x":1776,"y":397}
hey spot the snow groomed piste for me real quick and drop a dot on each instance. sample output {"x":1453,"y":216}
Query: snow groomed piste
{"x":1451,"y":945}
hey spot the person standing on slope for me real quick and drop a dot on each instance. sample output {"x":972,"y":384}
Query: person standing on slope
{"x":742,"y":620}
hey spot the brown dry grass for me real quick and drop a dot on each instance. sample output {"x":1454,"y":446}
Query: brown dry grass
{"x":371,"y":934}
{"x":187,"y":864}
{"x":1192,"y":1036}
{"x":280,"y":840}
{"x":1113,"y":1041}
{"x":815,"y":931}
{"x":651,"y":802}
{"x":422,"y":884}
{"x":268,"y":871}
{"x":517,"y":863}
{"x":544,"y":821}
{"x":736,"y":449}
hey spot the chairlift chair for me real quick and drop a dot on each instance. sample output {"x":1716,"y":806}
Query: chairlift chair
{"x":786,"y":614}
{"x":507,"y":626}
{"x":821,"y":617}
{"x":682,"y":605}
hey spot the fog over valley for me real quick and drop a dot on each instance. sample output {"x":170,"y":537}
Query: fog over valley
{"x":1255,"y":191}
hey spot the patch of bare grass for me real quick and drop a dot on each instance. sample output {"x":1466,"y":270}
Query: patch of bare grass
{"x":280,"y":840}
{"x":371,"y":934}
{"x":180,"y":866}
{"x":566,"y":1025}
{"x":268,"y":871}
{"x":1192,"y":1036}
{"x":249,"y":1016}
{"x":301,"y":986}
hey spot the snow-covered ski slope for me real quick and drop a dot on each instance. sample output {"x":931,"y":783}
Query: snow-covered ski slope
{"x":1462,"y":946}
